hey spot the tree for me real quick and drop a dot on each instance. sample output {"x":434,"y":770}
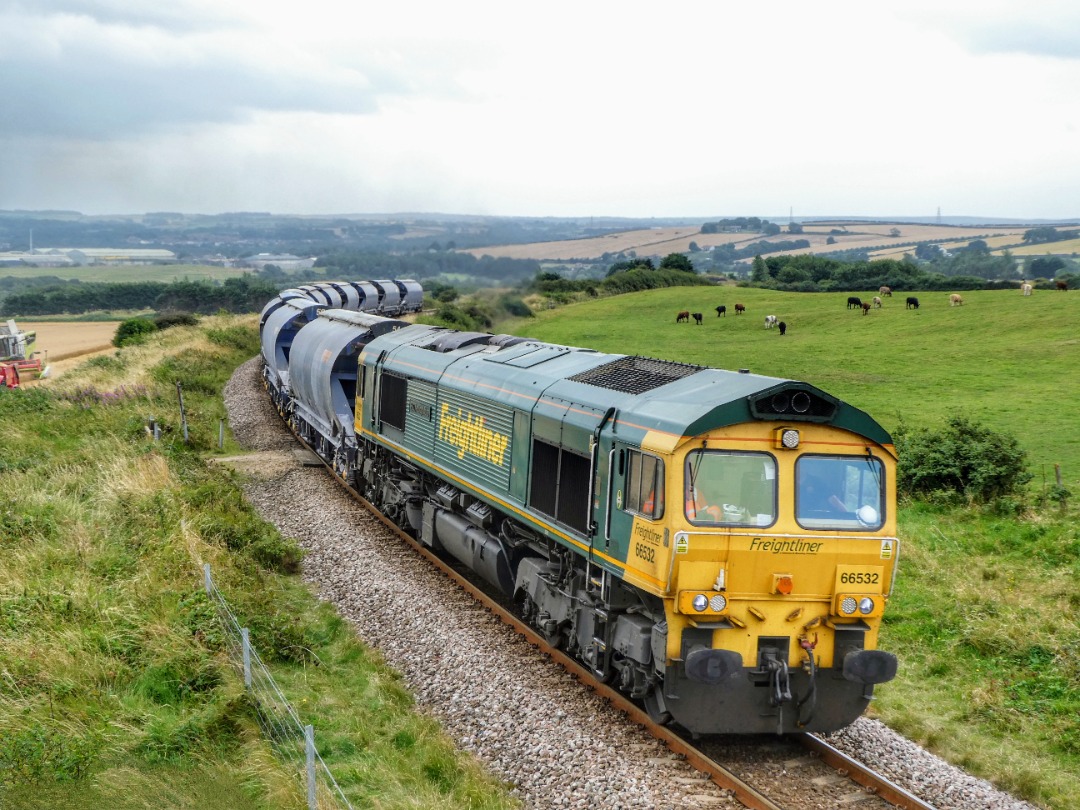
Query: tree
{"x":770,"y":229}
{"x":694,"y":247}
{"x":677,"y":261}
{"x":1046,"y":266}
{"x":795,"y":227}
{"x":1037,"y":236}
{"x":894,"y":232}
{"x":759,"y":272}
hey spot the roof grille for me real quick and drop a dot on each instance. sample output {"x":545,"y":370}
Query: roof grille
{"x":635,"y":375}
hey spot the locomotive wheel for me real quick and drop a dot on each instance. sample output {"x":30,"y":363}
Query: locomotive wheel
{"x":656,"y":708}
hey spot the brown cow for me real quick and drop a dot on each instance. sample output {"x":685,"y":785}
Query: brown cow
{"x":683,"y":316}
{"x":866,"y":308}
{"x":886,"y":291}
{"x":1062,"y":285}
{"x":739,"y":309}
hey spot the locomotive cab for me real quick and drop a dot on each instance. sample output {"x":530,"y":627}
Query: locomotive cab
{"x":781,"y":559}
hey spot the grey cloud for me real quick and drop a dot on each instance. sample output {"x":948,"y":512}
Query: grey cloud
{"x":117,"y":81}
{"x":170,"y":16}
{"x":104,"y":98}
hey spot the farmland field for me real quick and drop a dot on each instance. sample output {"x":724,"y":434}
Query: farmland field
{"x":1009,"y":361}
{"x":661,"y":241}
{"x":66,"y":344}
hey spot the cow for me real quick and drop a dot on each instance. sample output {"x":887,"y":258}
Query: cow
{"x":697,"y":318}
{"x":721,"y":310}
{"x":683,"y":316}
{"x":885,"y":291}
{"x":770,"y":321}
{"x":1025,"y":288}
{"x":956,"y":300}
{"x":854,"y":302}
{"x":739,"y":309}
{"x":912,"y":303}
{"x":866,"y":308}
{"x":1062,"y":285}
{"x":877,"y":302}
{"x":782,"y":327}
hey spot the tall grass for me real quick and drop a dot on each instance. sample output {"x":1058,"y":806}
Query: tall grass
{"x":984,"y":615}
{"x":115,"y":686}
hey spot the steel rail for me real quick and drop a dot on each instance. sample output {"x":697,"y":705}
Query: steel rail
{"x":859,"y":773}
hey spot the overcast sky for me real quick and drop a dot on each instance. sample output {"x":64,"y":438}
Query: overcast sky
{"x":594,"y":108}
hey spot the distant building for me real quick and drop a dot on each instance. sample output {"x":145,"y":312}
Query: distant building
{"x":73,"y":257}
{"x":286,"y":261}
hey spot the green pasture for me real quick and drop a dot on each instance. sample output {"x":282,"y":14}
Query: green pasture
{"x":164,"y":273}
{"x":984,"y":614}
{"x":1008,"y":361}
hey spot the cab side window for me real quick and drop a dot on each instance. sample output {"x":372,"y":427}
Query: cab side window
{"x":644,"y":485}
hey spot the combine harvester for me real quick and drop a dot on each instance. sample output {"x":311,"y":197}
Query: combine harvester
{"x":17,"y":362}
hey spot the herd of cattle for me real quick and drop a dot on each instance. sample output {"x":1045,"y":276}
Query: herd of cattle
{"x":853,"y":302}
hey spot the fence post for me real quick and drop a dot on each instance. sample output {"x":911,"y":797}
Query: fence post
{"x":309,"y":745}
{"x":207,"y":583}
{"x":246,"y":639}
{"x":221,"y":434}
{"x":183,"y":414}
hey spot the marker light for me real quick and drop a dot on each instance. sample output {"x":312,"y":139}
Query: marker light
{"x":783,"y":583}
{"x":717,"y":603}
{"x":847,"y":607}
{"x":701,"y":601}
{"x":787,"y":439}
{"x":866,"y":605}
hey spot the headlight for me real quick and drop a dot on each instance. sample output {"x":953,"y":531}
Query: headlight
{"x":717,"y":603}
{"x":866,"y":605}
{"x":701,"y":601}
{"x":847,"y":607}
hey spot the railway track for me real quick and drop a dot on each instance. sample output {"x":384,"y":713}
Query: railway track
{"x":804,"y":772}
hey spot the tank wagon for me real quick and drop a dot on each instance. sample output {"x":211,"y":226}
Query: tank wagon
{"x":720,"y":545}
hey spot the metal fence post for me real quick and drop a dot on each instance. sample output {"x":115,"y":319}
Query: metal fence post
{"x":246,"y":639}
{"x":221,"y":434}
{"x":207,"y":583}
{"x":309,"y":744}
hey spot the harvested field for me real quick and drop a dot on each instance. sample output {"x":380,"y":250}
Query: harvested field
{"x":65,"y":344}
{"x":661,"y":241}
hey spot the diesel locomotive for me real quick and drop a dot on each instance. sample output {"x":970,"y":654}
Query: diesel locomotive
{"x":717,"y":544}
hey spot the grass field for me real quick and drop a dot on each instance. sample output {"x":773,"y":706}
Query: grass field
{"x":1009,"y":361}
{"x":115,"y":685}
{"x":984,"y":616}
{"x":165,"y":273}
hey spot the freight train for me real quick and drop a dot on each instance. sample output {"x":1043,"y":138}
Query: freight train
{"x":719,"y":545}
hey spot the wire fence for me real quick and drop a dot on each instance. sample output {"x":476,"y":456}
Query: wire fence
{"x":292,"y":740}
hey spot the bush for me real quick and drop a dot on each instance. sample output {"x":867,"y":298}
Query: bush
{"x":961,"y":457}
{"x":133,"y":331}
{"x":170,"y":319}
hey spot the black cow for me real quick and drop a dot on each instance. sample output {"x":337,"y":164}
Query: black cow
{"x":721,"y":310}
{"x":854,"y":303}
{"x":782,"y":327}
{"x":912,"y":302}
{"x":697,"y":318}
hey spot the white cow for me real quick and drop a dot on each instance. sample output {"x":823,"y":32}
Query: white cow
{"x":1026,"y":289}
{"x":770,"y":321}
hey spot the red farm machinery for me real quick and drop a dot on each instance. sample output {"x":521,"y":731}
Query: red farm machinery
{"x":17,"y":362}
